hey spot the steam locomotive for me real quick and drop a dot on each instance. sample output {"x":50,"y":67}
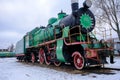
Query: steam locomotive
{"x":66,"y":39}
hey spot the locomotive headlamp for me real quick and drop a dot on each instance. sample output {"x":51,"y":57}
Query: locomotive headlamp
{"x":87,"y":4}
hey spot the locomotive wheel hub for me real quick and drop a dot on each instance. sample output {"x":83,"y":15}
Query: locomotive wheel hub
{"x":78,"y":60}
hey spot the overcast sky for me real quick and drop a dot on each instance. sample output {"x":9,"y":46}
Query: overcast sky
{"x":17,"y":17}
{"x":20,"y":16}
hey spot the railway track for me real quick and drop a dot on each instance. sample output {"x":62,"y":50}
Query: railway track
{"x":72,"y":70}
{"x":116,"y":69}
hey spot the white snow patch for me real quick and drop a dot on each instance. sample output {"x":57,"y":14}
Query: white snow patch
{"x":10,"y":69}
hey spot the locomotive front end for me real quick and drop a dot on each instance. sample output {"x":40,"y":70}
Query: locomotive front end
{"x":80,"y":16}
{"x":83,"y":16}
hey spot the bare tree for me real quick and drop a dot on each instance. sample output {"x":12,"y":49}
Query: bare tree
{"x":11,"y":48}
{"x":108,"y":11}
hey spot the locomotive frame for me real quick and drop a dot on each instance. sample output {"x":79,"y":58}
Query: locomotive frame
{"x":71,"y":41}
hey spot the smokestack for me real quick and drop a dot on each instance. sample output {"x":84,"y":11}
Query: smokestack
{"x":74,"y":6}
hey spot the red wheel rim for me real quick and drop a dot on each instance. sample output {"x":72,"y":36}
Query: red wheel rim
{"x":57,"y":63}
{"x":78,"y":61}
{"x":41,"y":56}
{"x":47,"y":58}
{"x":33,"y":58}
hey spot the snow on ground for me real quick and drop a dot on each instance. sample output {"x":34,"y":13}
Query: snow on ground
{"x":10,"y":69}
{"x":116,"y":64}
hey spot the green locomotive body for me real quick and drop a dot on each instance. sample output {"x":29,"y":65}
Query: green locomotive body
{"x":66,"y":39}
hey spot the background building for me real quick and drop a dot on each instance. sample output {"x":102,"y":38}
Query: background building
{"x":117,"y":46}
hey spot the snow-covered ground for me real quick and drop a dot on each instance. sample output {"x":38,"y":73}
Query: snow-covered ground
{"x":10,"y":69}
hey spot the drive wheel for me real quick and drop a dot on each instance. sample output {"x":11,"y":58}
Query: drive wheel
{"x":32,"y":57}
{"x":57,"y":63}
{"x":41,"y":56}
{"x":78,"y":61}
{"x":47,"y":60}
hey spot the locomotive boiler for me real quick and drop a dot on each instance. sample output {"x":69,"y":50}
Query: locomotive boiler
{"x":66,"y":39}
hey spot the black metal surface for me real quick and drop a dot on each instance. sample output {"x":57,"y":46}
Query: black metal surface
{"x":68,"y":21}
